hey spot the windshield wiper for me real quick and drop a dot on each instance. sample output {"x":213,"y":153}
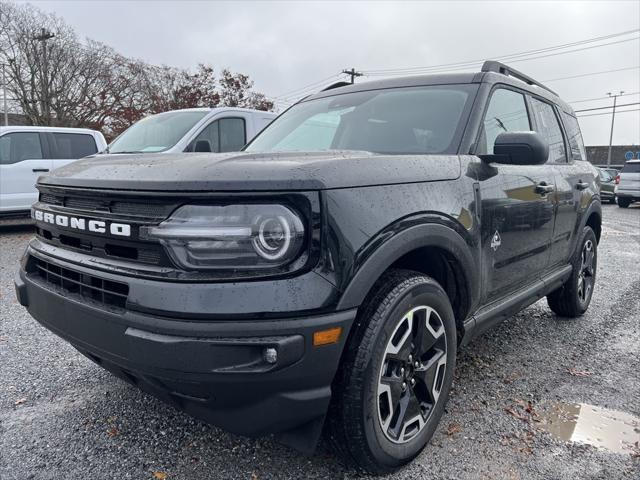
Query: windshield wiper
{"x":129,"y":151}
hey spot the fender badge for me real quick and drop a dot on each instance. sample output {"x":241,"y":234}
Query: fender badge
{"x":496,"y":241}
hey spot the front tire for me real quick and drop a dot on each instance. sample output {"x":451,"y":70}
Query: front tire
{"x":395,"y":377}
{"x":573,"y":298}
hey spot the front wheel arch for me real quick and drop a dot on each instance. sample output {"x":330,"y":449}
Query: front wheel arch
{"x":402,"y":244}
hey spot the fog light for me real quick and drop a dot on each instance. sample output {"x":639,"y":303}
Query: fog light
{"x":270,"y":355}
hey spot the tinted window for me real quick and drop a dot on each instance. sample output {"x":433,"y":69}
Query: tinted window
{"x":507,"y":112}
{"x":414,"y":120}
{"x":73,"y":145}
{"x":232,"y":136}
{"x":549,"y":128}
{"x":15,"y":147}
{"x":631,"y":168}
{"x":575,"y":137}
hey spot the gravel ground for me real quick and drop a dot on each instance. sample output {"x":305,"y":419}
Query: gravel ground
{"x":61,"y":416}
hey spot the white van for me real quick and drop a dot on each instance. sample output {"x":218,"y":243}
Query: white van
{"x":222,"y":129}
{"x":28,"y":152}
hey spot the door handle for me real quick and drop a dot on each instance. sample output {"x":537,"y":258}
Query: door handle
{"x":543,"y":188}
{"x":581,"y":185}
{"x":35,"y":170}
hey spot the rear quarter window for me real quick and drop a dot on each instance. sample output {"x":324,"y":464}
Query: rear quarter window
{"x":576,"y":145}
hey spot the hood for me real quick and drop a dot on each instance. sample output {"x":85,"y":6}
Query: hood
{"x":240,"y":171}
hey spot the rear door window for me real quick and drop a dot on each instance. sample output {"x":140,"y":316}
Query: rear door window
{"x":18,"y":146}
{"x":72,"y":145}
{"x":232,"y":134}
{"x":547,"y":125}
{"x":507,"y":112}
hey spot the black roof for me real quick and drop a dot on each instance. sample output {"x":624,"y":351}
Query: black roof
{"x":446,"y":79}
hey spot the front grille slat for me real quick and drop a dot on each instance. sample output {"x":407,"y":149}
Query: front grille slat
{"x":90,"y":287}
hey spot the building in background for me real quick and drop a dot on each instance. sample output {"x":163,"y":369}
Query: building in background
{"x":597,"y":154}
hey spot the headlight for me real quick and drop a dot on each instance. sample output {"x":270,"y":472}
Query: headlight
{"x":205,"y":237}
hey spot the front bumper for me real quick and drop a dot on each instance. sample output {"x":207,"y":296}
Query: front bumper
{"x":213,"y":369}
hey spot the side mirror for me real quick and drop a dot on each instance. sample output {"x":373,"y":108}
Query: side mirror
{"x":520,"y":148}
{"x":202,"y":146}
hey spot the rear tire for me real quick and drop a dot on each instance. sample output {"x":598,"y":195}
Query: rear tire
{"x":395,"y":377}
{"x":573,"y":297}
{"x":624,"y":202}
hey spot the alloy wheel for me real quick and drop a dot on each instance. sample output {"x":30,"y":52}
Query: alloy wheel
{"x":411,"y":374}
{"x":586,"y":274}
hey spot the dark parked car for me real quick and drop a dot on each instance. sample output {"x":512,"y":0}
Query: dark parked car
{"x":607,"y":185}
{"x":329,"y":273}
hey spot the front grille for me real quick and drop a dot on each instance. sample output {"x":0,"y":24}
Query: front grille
{"x":119,"y":207}
{"x":149,"y":253}
{"x":149,"y":209}
{"x":91,"y":288}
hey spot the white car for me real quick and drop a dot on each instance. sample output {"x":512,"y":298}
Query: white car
{"x":28,"y":152}
{"x":192,"y":130}
{"x":628,"y":184}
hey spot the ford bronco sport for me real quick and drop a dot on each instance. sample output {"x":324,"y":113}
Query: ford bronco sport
{"x":327,"y":275}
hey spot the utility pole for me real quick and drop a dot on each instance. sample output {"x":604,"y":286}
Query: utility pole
{"x":4,"y":94}
{"x":613,"y":119}
{"x":44,"y":100}
{"x":352,"y":73}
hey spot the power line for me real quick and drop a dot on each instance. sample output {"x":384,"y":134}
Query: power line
{"x":513,"y":56}
{"x":473,"y":65}
{"x":601,"y":98}
{"x":306,"y":87}
{"x":637,"y":67}
{"x":609,"y":113}
{"x":610,"y":106}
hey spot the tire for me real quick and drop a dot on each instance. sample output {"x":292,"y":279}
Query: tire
{"x":613,"y":200}
{"x":573,"y":297}
{"x":624,"y":202}
{"x":362,"y":423}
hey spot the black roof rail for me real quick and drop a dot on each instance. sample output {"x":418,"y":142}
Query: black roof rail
{"x":497,"y":67}
{"x":336,"y":85}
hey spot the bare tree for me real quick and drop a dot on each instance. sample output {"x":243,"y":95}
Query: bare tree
{"x":56,"y":79}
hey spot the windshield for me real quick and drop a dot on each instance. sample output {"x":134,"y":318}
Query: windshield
{"x":156,"y":133}
{"x":415,"y":120}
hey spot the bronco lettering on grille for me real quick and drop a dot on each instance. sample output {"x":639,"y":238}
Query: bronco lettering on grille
{"x":76,"y":223}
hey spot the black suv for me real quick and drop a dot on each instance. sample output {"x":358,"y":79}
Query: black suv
{"x":327,"y":275}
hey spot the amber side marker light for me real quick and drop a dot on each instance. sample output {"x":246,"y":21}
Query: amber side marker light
{"x":327,"y":337}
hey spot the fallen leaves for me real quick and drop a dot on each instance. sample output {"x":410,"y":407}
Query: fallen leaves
{"x":579,"y":373}
{"x":453,"y":428}
{"x":160,"y":475}
{"x":112,"y":432}
{"x":522,"y":411}
{"x":20,"y":401}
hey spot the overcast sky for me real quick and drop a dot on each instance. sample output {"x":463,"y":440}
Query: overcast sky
{"x":283,"y":46}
